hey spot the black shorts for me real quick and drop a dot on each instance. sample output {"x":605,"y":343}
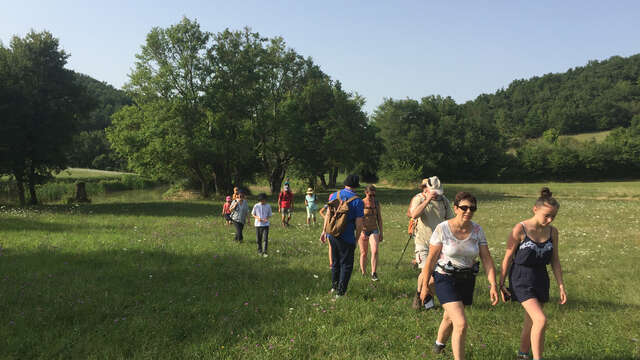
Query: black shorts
{"x":227,"y":217}
{"x":452,"y":289}
{"x":528,"y":283}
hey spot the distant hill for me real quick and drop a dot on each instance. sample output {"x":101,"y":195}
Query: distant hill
{"x":601,"y":95}
{"x":91,"y":149}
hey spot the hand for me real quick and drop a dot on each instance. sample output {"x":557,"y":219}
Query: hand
{"x":323,"y":237}
{"x":563,"y":296}
{"x":380,"y":239}
{"x":493,"y":294}
{"x":424,"y":292}
{"x":430,"y":195}
{"x":506,"y":295}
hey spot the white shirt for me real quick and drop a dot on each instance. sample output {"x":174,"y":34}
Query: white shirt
{"x":263,"y":212}
{"x":461,"y":252}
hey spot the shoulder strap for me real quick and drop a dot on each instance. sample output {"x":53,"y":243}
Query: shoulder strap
{"x":352,"y":198}
{"x":524,"y":229}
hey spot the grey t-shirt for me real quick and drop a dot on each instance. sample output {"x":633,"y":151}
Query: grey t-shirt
{"x":461,"y":252}
{"x":239,"y":214}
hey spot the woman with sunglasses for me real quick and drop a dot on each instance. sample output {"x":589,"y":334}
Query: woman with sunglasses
{"x":532,"y":245}
{"x":455,"y":244}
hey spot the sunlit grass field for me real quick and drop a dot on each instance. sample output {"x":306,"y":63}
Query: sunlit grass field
{"x":132,"y":276}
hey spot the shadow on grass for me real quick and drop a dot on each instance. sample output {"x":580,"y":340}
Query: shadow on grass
{"x":152,"y":304}
{"x":21,"y":224}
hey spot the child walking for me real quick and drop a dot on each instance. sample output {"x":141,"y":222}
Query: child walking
{"x":261,"y":213}
{"x":226,"y":210}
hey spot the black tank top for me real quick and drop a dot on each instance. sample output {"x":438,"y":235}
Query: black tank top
{"x":531,"y":253}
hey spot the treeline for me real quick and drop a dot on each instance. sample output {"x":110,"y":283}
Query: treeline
{"x":224,"y":108}
{"x":438,"y":136}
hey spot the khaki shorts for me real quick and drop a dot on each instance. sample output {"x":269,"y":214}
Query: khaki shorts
{"x":286,"y":211}
{"x":421,"y":251}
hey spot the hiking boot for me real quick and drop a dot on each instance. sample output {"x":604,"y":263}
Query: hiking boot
{"x":437,"y":348}
{"x":374,"y":277}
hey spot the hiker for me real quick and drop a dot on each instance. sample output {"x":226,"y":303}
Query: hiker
{"x":285,"y":204}
{"x":532,"y":244}
{"x":226,"y":211}
{"x":261,"y":213}
{"x":239,"y":209}
{"x":343,"y":246}
{"x":371,"y":232}
{"x":310,"y":202}
{"x":429,"y":208}
{"x":454,"y":247}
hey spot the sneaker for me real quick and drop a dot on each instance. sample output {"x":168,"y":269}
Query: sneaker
{"x":374,"y":277}
{"x":264,"y":255}
{"x":437,"y":348}
{"x":523,"y":356}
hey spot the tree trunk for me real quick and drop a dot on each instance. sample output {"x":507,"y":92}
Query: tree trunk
{"x":275,"y":179}
{"x":20,"y":186}
{"x":323,"y":181}
{"x":312,"y":182}
{"x":81,"y":193}
{"x":333,"y":177}
{"x":33,"y":200}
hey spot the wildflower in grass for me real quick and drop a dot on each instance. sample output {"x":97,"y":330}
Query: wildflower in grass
{"x":246,"y":303}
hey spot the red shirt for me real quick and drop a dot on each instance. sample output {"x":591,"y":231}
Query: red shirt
{"x":285,"y":199}
{"x":225,"y":208}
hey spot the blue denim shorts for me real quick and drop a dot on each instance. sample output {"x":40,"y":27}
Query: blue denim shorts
{"x":451,"y":289}
{"x":369,"y":233}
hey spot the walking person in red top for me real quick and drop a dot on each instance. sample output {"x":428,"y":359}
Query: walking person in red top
{"x":285,"y":204}
{"x":226,"y":210}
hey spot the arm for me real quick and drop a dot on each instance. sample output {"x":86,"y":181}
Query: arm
{"x":417,"y":209}
{"x":429,"y":266}
{"x":555,"y":265}
{"x":379,"y":215}
{"x":512,"y":243}
{"x":359,"y":225}
{"x":490,"y":269}
{"x":233,"y":206}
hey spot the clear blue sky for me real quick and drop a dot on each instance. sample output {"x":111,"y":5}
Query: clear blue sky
{"x":379,"y":49}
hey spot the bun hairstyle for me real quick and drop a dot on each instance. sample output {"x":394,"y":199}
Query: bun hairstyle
{"x":463,"y":195}
{"x":546,"y":198}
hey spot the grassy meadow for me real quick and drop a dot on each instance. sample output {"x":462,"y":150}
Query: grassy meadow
{"x":132,"y":276}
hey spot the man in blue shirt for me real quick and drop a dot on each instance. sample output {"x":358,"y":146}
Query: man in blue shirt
{"x":343,"y":246}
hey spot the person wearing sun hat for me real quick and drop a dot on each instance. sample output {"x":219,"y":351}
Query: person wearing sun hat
{"x":310,"y":202}
{"x":430,"y":207}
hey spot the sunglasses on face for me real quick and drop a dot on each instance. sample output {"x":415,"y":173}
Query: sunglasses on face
{"x":464,"y":208}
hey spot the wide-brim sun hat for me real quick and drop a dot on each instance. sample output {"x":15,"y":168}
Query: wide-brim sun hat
{"x":434,"y":184}
{"x":309,"y":191}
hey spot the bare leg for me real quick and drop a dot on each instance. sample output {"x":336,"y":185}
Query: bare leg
{"x":364,"y":249}
{"x":373,"y":242}
{"x":538,"y":326}
{"x":330,"y":256}
{"x":455,"y":311}
{"x":444,"y":331}
{"x":525,"y":336}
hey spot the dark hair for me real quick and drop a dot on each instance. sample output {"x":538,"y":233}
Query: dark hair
{"x":370,"y":188}
{"x":262,"y":196}
{"x":546,"y":198}
{"x":463,"y":195}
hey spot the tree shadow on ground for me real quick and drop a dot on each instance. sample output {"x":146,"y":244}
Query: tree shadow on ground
{"x":123,"y":304}
{"x":156,"y":208}
{"x":20,"y":224}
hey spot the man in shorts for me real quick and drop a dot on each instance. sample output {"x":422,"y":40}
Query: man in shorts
{"x":429,"y":208}
{"x":285,"y":204}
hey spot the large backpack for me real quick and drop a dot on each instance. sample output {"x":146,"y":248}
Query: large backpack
{"x":337,"y":216}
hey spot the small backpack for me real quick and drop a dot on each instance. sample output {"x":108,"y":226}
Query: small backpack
{"x":337,"y":210}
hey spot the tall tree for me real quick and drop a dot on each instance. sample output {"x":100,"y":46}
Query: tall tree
{"x":43,"y":112}
{"x":164,"y":133}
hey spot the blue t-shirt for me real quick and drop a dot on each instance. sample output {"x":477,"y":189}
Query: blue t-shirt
{"x":356,"y":210}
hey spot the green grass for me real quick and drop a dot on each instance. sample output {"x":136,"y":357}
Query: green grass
{"x":88,"y":173}
{"x":136,"y":277}
{"x":597,"y":136}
